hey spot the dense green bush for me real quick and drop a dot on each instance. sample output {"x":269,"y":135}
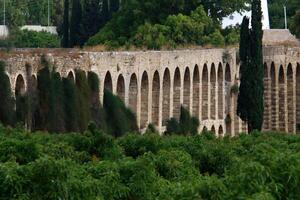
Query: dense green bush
{"x":93,"y":165}
{"x":33,"y":39}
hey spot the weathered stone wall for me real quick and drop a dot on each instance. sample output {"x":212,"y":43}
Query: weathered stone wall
{"x":155,"y":84}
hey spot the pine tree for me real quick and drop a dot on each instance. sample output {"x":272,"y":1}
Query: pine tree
{"x":250,"y":100}
{"x":6,"y":100}
{"x":65,"y":39}
{"x":75,"y":24}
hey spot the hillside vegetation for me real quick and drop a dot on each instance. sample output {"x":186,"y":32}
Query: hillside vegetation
{"x":94,"y":165}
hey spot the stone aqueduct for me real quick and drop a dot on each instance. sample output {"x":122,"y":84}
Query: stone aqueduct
{"x":155,"y":84}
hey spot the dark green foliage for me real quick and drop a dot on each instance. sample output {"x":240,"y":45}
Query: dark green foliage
{"x":119,"y":119}
{"x":295,"y":24}
{"x":97,"y":112}
{"x":75,"y":27}
{"x":276,"y":13}
{"x":57,"y":110}
{"x":187,"y":125}
{"x":153,"y":18}
{"x":70,"y":105}
{"x":83,"y":94}
{"x":197,"y":28}
{"x":7,"y":113}
{"x":66,"y":29}
{"x":42,"y":117}
{"x":33,"y":39}
{"x":94,"y":165}
{"x":250,"y":100}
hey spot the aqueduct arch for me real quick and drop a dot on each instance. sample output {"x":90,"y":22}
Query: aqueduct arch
{"x":176,"y":94}
{"x":155,"y":98}
{"x":133,"y":93}
{"x":166,"y":97}
{"x":196,"y":92}
{"x":144,"y":100}
{"x":290,"y":100}
{"x":108,"y":84}
{"x":186,"y":89}
{"x":220,"y":92}
{"x":121,"y":87}
{"x":20,"y":86}
{"x":281,"y":95}
{"x":154,"y":84}
{"x":205,"y":93}
{"x":213,"y":80}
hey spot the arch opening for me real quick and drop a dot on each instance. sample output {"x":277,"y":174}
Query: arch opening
{"x":228,"y":73}
{"x":213,"y":129}
{"x":205,"y":93}
{"x":220,"y":92}
{"x":213,"y":92}
{"x":281,"y":88}
{"x":144,"y":100}
{"x":133,"y":92}
{"x":108,"y":82}
{"x":155,"y":98}
{"x":228,"y":122}
{"x":220,"y":132}
{"x":176,"y":94}
{"x":20,"y":86}
{"x":121,"y":87}
{"x":196,"y":92}
{"x":186,"y":89}
{"x":71,"y":76}
{"x":166,"y":97}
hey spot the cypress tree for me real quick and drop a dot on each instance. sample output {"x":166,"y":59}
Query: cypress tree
{"x":97,"y":112}
{"x":250,"y":100}
{"x":44,"y":98}
{"x":83,"y":94}
{"x":65,"y":39}
{"x":119,"y":119}
{"x":91,"y":19}
{"x":70,"y":105}
{"x":75,"y":24}
{"x":244,"y":93}
{"x":6,"y":99}
{"x":56,"y":112}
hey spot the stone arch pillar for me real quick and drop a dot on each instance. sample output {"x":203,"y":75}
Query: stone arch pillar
{"x":213,"y":102}
{"x":196,"y":92}
{"x":144,"y":120}
{"x":282,"y":99}
{"x":205,"y":95}
{"x":121,"y":87}
{"x":133,"y":93}
{"x":290,"y":100}
{"x":274,"y":98}
{"x":176,"y":94}
{"x":220,"y":92}
{"x":187,"y":89}
{"x":166,"y":99}
{"x":230,"y":100}
{"x":267,"y":98}
{"x":155,"y":98}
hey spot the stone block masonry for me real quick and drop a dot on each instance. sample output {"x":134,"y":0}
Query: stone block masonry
{"x":154,"y":84}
